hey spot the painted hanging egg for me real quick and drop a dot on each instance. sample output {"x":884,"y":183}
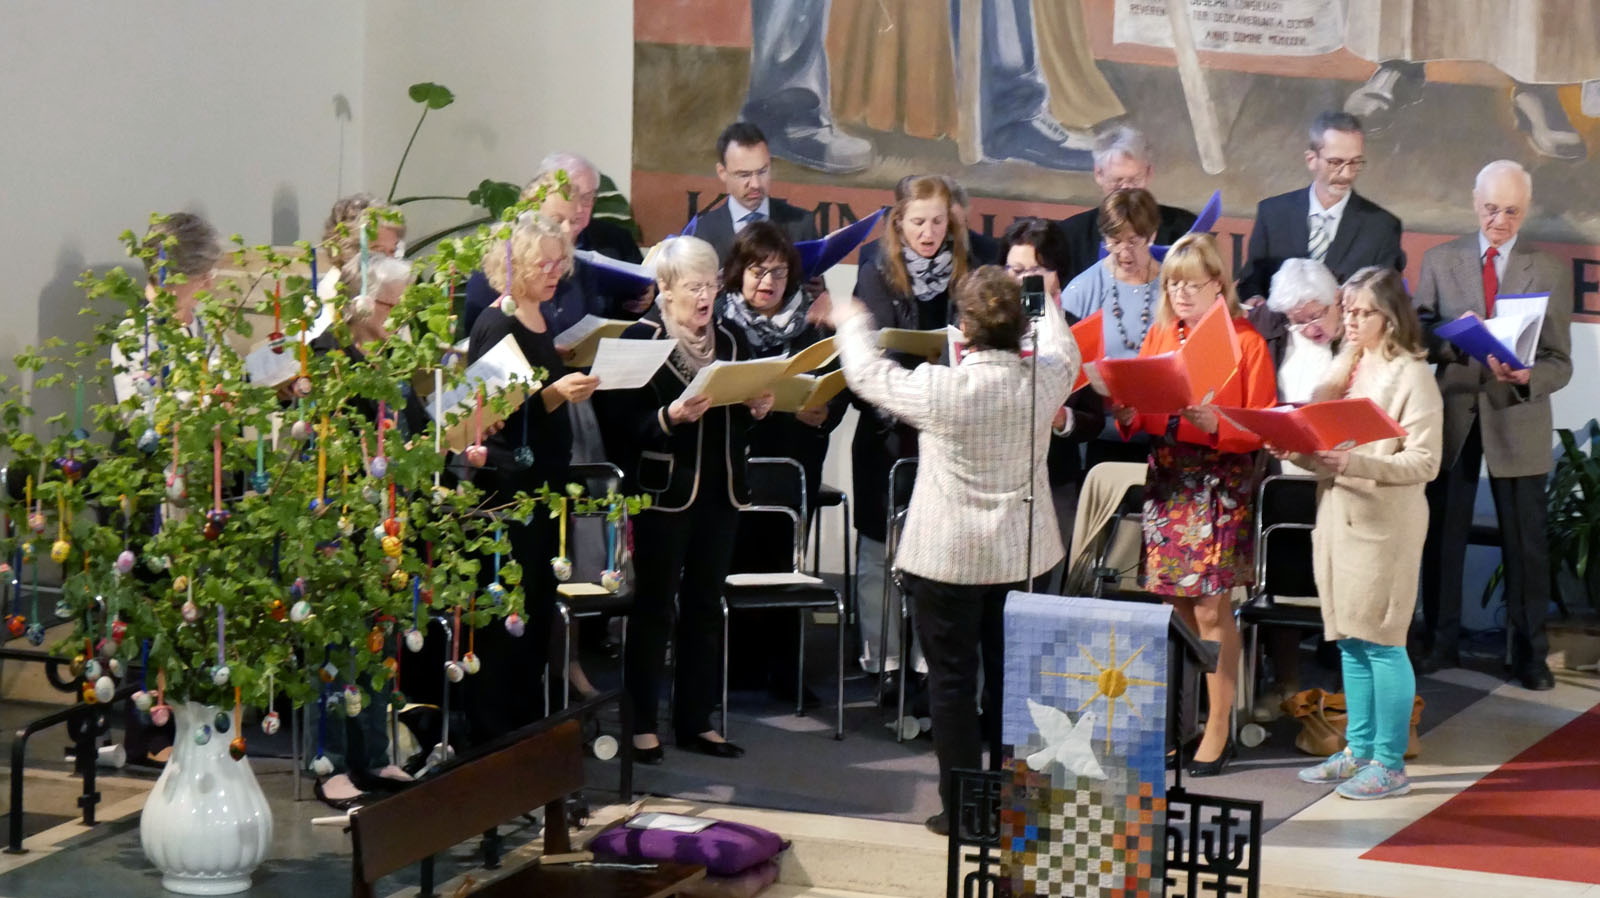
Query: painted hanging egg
{"x":611,"y":580}
{"x":202,"y":734}
{"x":397,"y":700}
{"x":114,"y":666}
{"x":190,"y":611}
{"x":562,"y":566}
{"x":180,"y":583}
{"x":63,"y":608}
{"x":426,"y":594}
{"x":177,"y":488}
{"x":149,"y":441}
{"x":271,"y":723}
{"x":76,"y":666}
{"x":391,"y":667}
{"x":144,"y":701}
{"x":277,"y":610}
{"x":414,"y":639}
{"x":394,"y":527}
{"x":88,"y":693}
{"x":515,"y":625}
{"x":297,"y":589}
{"x":91,"y":669}
{"x":222,"y":722}
{"x":105,"y":648}
{"x":453,"y":671}
{"x":27,"y":552}
{"x":71,"y":468}
{"x":220,"y":675}
{"x":352,"y":701}
{"x":300,"y":431}
{"x":346,"y":526}
{"x":59,"y":550}
{"x":440,"y":494}
{"x":275,"y":339}
{"x":318,"y":507}
{"x":378,"y":532}
{"x":477,"y":455}
{"x":236,"y":748}
{"x":16,"y":624}
{"x":496,"y":593}
{"x":523,"y":457}
{"x":371,"y":495}
{"x":321,"y":766}
{"x":35,"y":634}
{"x":378,"y":467}
{"x":507,"y":305}
{"x":302,"y":387}
{"x":5,"y":568}
{"x":327,"y":673}
{"x":260,"y":481}
{"x":36,"y":522}
{"x":300,"y":611}
{"x":471,"y":663}
{"x":399,"y":580}
{"x":125,"y":562}
{"x":157,"y":563}
{"x":375,"y":640}
{"x":160,"y":714}
{"x":119,"y":631}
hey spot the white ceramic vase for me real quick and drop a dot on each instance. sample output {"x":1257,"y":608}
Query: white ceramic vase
{"x":206,"y":825}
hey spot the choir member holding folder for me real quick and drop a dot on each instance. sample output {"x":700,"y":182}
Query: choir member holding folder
{"x":1203,"y":469}
{"x":906,"y":286}
{"x":532,"y":448}
{"x":1371,"y":523}
{"x":690,"y":459}
{"x":762,"y":301}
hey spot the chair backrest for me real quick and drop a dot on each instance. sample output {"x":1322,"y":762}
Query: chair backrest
{"x":586,"y":534}
{"x":771,"y":531}
{"x":539,"y":765}
{"x":1286,"y":512}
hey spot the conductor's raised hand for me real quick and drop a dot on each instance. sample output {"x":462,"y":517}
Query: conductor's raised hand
{"x":683,"y":411}
{"x":1508,"y":375}
{"x":760,"y":405}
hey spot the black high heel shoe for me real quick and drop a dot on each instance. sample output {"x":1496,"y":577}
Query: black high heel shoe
{"x":1198,"y":769}
{"x":652,"y":756}
{"x":707,"y":747}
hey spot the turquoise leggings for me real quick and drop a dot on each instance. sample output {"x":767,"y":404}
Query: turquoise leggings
{"x":1379,"y":687}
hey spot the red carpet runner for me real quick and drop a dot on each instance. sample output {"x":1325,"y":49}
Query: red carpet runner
{"x":1537,"y":815}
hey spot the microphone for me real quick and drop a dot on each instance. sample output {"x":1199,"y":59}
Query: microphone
{"x":1033,"y":295}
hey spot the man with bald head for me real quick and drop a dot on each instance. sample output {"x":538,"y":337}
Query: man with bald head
{"x":1496,"y":414}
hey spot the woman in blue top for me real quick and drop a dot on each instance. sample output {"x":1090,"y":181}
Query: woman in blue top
{"x":1122,"y":287}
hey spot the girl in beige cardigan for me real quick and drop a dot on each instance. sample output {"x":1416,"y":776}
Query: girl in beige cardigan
{"x":1371,"y":520}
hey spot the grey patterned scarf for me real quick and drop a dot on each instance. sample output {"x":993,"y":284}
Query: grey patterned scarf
{"x":763,"y":333}
{"x":929,"y":277}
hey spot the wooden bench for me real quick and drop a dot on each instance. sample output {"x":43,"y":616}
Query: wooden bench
{"x":541,"y":764}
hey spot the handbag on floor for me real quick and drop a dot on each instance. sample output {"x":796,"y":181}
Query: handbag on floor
{"x":1323,"y":717}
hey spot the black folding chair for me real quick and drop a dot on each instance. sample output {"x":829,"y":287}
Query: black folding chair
{"x":582,"y":596}
{"x":905,"y":467}
{"x":1286,"y":513}
{"x":788,"y":588}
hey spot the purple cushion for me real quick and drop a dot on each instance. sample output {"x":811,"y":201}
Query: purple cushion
{"x":723,"y":848}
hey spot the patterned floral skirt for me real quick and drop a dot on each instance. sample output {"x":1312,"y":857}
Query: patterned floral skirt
{"x":1198,"y":520}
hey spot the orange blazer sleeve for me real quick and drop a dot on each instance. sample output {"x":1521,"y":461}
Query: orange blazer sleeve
{"x":1255,"y":386}
{"x":1158,"y":339}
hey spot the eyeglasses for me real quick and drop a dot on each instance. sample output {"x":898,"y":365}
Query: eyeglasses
{"x":1491,"y":211}
{"x":1189,"y":289}
{"x":1360,"y":315}
{"x":701,"y":289}
{"x":1314,"y":319}
{"x":585,"y":199}
{"x":778,"y":272}
{"x":1337,"y":164}
{"x":1135,"y":242}
{"x":549,"y":265}
{"x":1019,"y":272}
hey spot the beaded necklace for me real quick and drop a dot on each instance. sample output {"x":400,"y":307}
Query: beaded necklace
{"x":1144,"y":313}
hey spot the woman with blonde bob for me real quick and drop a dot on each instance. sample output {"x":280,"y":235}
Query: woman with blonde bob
{"x":1372,"y":517}
{"x":1201,"y":479}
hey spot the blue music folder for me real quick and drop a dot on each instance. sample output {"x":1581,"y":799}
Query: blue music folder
{"x":817,"y":256}
{"x":615,"y":274}
{"x":1511,"y":336}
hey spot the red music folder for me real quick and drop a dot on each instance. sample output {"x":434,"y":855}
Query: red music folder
{"x":1169,"y":382}
{"x":1318,"y":426}
{"x":1090,"y":336}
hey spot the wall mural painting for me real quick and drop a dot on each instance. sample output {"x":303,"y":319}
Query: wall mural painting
{"x":1007,"y":95}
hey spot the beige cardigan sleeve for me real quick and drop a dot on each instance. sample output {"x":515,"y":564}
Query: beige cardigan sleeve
{"x":1417,"y":407}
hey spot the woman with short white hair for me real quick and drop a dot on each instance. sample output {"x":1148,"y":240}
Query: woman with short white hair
{"x":1300,"y":322}
{"x":689,"y":458}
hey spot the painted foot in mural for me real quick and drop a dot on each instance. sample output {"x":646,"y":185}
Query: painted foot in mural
{"x":1042,"y":141}
{"x":820,"y":146}
{"x":1393,"y":85}
{"x":1550,"y":132}
{"x":1374,"y":781}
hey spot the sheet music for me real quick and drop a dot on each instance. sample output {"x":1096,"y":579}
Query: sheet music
{"x":1517,"y":322}
{"x":629,"y":364}
{"x":574,"y":335}
{"x":498,"y":369}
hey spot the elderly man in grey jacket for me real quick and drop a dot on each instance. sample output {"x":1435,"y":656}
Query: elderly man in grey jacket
{"x":1496,"y":413}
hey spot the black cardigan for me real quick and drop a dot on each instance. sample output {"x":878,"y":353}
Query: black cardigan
{"x":674,"y":463}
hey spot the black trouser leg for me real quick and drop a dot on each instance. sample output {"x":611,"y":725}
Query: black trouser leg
{"x":1519,"y":503}
{"x":659,"y":542}
{"x":699,"y":632}
{"x":506,"y":693}
{"x":1450,"y":500}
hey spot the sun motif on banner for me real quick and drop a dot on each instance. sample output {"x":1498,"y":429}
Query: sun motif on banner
{"x":1111,"y":682}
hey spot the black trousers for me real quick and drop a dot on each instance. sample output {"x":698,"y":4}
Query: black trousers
{"x":684,"y":556}
{"x":508,"y":692}
{"x":1520,"y":509}
{"x":957,"y":624}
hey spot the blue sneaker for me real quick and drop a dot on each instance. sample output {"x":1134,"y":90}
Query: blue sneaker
{"x":1375,"y":781}
{"x":1337,"y":768}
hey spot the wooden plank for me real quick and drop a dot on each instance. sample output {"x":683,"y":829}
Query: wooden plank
{"x":464,"y":801}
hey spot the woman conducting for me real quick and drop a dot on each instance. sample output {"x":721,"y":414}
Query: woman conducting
{"x":690,"y":459}
{"x":1371,"y":520}
{"x":968,"y":524}
{"x":1200,"y":485}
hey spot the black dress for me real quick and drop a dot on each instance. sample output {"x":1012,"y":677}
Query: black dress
{"x":506,"y":693}
{"x":694,"y":473}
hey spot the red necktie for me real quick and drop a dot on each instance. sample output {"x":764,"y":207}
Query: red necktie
{"x":1491,"y":281}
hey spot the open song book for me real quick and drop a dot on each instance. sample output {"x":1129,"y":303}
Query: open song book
{"x":1169,"y":382}
{"x":787,"y":378}
{"x":1317,"y":426}
{"x":1511,"y":335}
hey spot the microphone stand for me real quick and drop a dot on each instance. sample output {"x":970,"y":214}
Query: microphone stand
{"x":1033,"y":448}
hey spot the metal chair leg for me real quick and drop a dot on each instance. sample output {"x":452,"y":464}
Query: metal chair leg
{"x":566,"y":654}
{"x":800,"y":673}
{"x":724,"y":667}
{"x":844,"y":556}
{"x":838,"y":732}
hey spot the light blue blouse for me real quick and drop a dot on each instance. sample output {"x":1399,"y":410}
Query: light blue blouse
{"x":1092,"y":291}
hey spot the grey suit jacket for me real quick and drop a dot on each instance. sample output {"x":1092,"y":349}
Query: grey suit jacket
{"x":715,"y":226}
{"x":1515,"y":420}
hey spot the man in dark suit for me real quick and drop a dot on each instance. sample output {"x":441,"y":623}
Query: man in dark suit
{"x":1328,"y":221}
{"x":1121,"y":160}
{"x":745,"y":167}
{"x":1493,"y":413}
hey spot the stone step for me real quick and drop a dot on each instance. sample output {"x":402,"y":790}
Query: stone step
{"x":853,"y":855}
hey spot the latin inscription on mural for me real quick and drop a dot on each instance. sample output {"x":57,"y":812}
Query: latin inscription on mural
{"x":1279,"y":27}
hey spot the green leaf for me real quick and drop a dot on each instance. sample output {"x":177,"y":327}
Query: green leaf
{"x":495,"y":196}
{"x":436,"y":96}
